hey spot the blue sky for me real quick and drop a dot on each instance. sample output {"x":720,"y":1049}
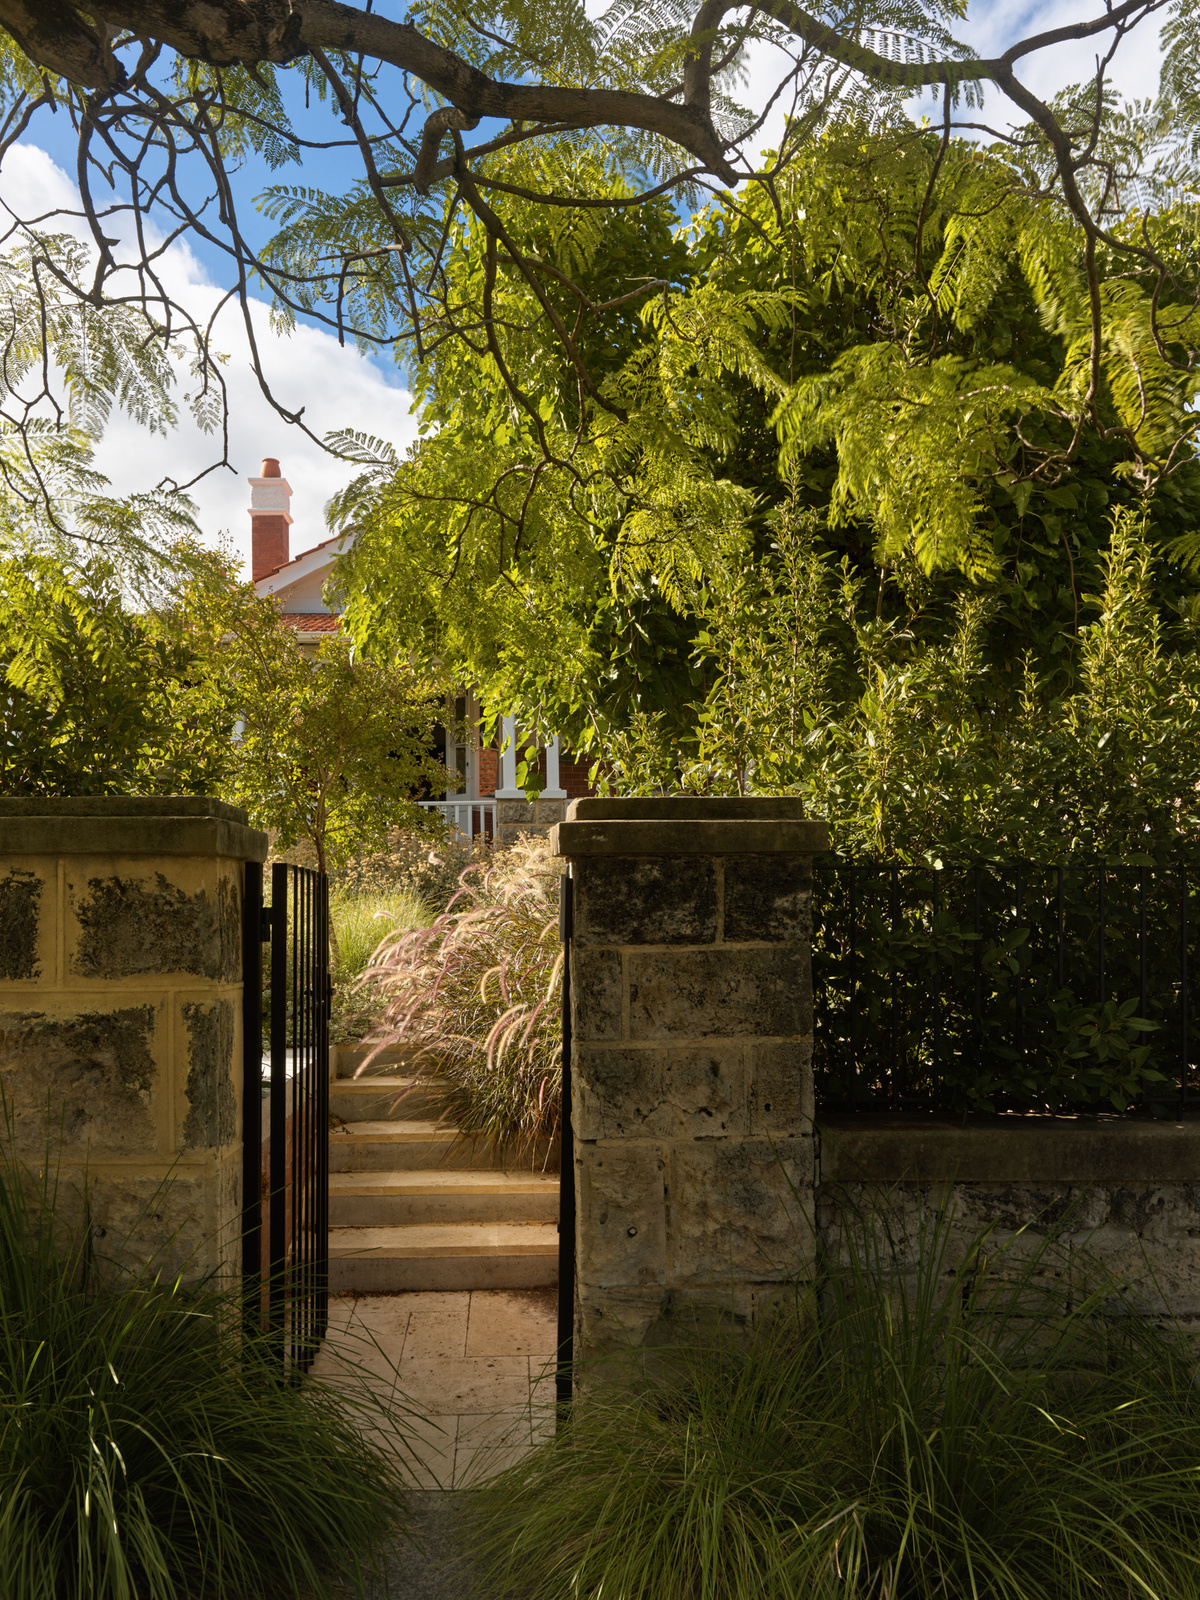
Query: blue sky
{"x":340,"y":388}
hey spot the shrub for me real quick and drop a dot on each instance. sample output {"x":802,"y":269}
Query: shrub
{"x":478,"y":992}
{"x":147,"y":1452}
{"x":933,"y":1433}
{"x":428,"y":867}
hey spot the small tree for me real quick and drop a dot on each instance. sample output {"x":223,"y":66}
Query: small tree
{"x":330,"y":749}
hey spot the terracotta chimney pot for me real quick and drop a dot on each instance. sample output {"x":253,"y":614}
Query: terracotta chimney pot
{"x":270,"y":468}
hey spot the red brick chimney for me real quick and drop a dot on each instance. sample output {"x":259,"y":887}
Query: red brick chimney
{"x":270,"y":519}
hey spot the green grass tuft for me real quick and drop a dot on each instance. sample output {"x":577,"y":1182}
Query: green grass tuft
{"x":147,"y":1454}
{"x":976,"y":1434}
{"x":362,"y":919}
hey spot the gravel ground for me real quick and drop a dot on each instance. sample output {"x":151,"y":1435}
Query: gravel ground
{"x":435,"y":1571}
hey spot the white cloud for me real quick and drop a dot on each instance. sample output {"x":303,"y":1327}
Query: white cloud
{"x":990,"y":29}
{"x":337,"y":388}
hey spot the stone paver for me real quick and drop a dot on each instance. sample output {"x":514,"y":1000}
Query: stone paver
{"x":469,"y":1375}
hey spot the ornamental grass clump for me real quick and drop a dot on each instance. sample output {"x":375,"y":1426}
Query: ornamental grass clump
{"x":477,"y":995}
{"x":928,"y":1434}
{"x":148,"y":1453}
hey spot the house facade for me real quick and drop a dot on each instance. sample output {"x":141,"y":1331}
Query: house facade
{"x":485,"y":799}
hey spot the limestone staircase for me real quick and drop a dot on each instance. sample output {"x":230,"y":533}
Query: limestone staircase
{"x":413,"y":1206}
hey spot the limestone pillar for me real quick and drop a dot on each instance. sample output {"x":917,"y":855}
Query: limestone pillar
{"x":692,"y":1090}
{"x":120,"y":1011}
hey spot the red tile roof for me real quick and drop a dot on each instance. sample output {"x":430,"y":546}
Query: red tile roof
{"x":311,"y":621}
{"x":333,"y":539}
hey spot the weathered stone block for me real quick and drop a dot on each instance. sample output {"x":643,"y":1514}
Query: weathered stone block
{"x":548,"y":812}
{"x":1156,"y":1211}
{"x":87,"y":1079}
{"x":616,"y":1319}
{"x":211,"y":1119}
{"x":514,"y":813}
{"x":781,"y":1088}
{"x":696,"y":1092}
{"x":1036,"y":1207}
{"x":129,"y":925}
{"x":184,"y":1221}
{"x":766,"y":898}
{"x":866,"y":1222}
{"x":596,"y":994}
{"x":645,"y":900}
{"x":740,"y":1209}
{"x":697,"y":994}
{"x":26,"y":921}
{"x":622,"y":1214}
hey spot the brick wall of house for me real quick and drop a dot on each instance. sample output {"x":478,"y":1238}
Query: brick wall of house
{"x":573,"y":776}
{"x":489,"y":771}
{"x":572,"y":773}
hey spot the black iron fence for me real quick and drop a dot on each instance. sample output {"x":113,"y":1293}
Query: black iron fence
{"x":285,"y":1260}
{"x":999,"y":987}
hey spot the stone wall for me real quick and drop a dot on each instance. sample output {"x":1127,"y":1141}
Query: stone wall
{"x":691,"y":1058}
{"x":1124,"y":1192}
{"x":120,"y":1011}
{"x":515,"y":817}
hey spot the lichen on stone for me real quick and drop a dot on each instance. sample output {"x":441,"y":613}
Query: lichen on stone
{"x":87,"y":1078}
{"x":20,"y":896}
{"x":212,"y":1106}
{"x":128,"y":926}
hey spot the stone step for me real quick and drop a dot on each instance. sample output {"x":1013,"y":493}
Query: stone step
{"x":388,"y":1097}
{"x":410,"y":1198}
{"x":406,"y":1146}
{"x":448,"y":1256}
{"x":349,"y":1061}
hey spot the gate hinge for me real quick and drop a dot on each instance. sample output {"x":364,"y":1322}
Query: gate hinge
{"x":266,"y":921}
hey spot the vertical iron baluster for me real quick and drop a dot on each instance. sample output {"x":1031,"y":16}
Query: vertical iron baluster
{"x":1020,"y":991}
{"x":1141,"y":941}
{"x":310,"y":1121}
{"x":937,"y":981}
{"x":323,"y":1119}
{"x":1184,"y":1043}
{"x":1102,"y":907}
{"x":1062,"y":932}
{"x":277,"y":1231}
{"x":301,"y":1114}
{"x":563,"y":1379}
{"x":252,"y":934}
{"x":856,"y":1077}
{"x":978,"y":1017}
{"x":297,"y":980}
{"x":897,"y":1083}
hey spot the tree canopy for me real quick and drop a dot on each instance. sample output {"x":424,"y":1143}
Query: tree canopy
{"x":443,"y":121}
{"x":909,"y":362}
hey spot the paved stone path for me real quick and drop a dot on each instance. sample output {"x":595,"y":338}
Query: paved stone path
{"x":473,"y":1369}
{"x":473,"y":1372}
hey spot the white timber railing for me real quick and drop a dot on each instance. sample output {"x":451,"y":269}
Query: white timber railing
{"x":471,"y":818}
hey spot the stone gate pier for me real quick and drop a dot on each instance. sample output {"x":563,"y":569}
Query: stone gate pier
{"x":692,"y":1088}
{"x":121,"y":1016}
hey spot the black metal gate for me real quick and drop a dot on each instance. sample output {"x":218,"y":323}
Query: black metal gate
{"x":285,"y":1225}
{"x":564,"y":1372}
